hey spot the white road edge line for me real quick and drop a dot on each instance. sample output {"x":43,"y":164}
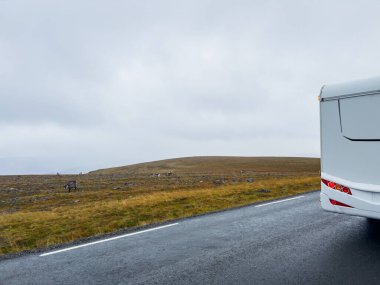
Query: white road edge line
{"x":108,"y":239}
{"x":275,"y":202}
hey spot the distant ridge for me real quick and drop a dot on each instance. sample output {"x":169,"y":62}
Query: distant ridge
{"x":219,"y":164}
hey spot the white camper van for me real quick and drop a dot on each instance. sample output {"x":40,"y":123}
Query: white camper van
{"x":350,"y":148}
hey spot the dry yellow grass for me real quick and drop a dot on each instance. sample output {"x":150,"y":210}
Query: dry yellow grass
{"x":46,"y":215}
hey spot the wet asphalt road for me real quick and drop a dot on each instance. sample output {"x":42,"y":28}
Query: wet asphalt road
{"x":292,"y":242}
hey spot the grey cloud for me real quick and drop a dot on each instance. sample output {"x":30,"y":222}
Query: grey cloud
{"x":115,"y":82}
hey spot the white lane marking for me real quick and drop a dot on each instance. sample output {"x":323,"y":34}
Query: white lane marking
{"x":275,"y":202}
{"x":108,"y":239}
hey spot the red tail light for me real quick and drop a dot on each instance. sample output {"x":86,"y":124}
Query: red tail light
{"x":336,"y":186}
{"x":331,"y":185}
{"x":337,"y":203}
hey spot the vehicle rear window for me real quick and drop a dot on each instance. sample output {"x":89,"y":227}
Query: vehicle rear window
{"x":360,"y":117}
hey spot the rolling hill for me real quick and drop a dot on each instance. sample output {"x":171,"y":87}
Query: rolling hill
{"x":219,"y":165}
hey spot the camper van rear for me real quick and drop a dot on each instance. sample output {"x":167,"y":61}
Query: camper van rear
{"x":350,"y":148}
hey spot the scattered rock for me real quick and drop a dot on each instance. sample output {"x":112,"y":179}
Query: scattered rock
{"x":76,"y":201}
{"x":129,"y":184}
{"x":263,"y":191}
{"x":219,"y":181}
{"x":116,"y":188}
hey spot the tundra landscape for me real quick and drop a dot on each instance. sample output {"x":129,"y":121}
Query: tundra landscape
{"x":36,"y":211}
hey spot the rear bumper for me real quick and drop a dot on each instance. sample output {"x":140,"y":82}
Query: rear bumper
{"x":360,"y":207}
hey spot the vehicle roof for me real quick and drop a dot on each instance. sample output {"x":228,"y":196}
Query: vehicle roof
{"x":371,"y":85}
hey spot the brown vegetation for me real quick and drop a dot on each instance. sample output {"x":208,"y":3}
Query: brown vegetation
{"x":35,"y":211}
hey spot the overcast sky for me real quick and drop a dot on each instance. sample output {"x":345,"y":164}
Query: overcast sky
{"x":93,"y":84}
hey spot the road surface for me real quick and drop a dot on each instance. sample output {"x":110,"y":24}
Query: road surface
{"x":287,"y":242}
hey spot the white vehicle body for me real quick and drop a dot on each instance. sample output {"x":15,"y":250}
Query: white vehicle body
{"x":350,"y":148}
